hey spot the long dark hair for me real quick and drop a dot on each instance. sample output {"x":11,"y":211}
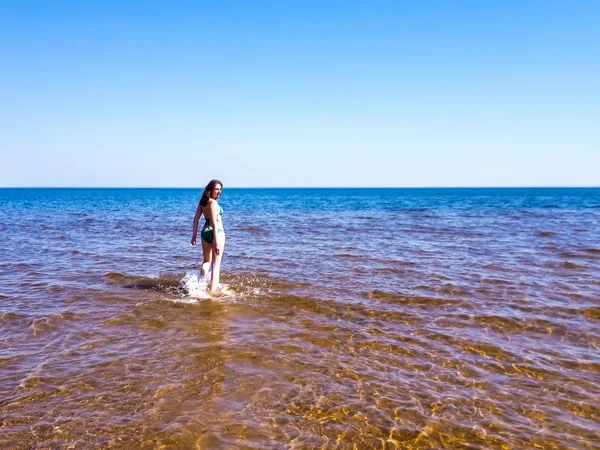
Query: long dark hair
{"x":207,"y":190}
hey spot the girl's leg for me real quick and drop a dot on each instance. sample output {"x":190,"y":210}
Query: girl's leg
{"x":207,"y":252}
{"x":216,"y":265}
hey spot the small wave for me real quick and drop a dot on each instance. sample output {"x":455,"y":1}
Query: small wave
{"x":552,"y":248}
{"x":166,"y":282}
{"x":546,"y":233}
{"x":498,"y":268}
{"x":567,"y":254}
{"x":6,"y":362}
{"x":397,"y":262}
{"x":354,"y":312}
{"x":120,"y":319}
{"x":251,"y":229}
{"x":451,"y":289}
{"x":499,"y":323}
{"x":572,"y":265}
{"x":380,"y":295}
{"x":384,"y":270}
{"x":114,"y":276}
{"x":251,"y":282}
{"x":52,"y":322}
{"x":487,"y":350}
{"x":68,"y":315}
{"x":494,"y":281}
{"x":593,"y":312}
{"x":183,"y":300}
{"x":9,"y":316}
{"x":346,"y":255}
{"x":411,"y":300}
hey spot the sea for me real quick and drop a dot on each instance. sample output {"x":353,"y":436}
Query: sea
{"x":358,"y":318}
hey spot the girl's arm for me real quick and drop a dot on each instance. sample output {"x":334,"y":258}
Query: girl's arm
{"x":196,"y":219}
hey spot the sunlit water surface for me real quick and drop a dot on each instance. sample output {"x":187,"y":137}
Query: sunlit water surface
{"x":350,"y":318}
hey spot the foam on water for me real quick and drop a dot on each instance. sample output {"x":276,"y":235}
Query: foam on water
{"x":197,"y":286}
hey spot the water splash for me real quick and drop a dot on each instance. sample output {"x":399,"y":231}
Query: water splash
{"x":194,"y":285}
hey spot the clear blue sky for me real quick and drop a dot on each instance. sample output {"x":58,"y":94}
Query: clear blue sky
{"x":300,"y":93}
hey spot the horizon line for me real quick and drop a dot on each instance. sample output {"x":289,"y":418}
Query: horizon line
{"x":309,"y":187}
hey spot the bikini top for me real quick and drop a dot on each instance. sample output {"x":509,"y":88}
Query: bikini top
{"x":220,"y":213}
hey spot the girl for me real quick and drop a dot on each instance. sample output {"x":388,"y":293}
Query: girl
{"x":213,"y":232}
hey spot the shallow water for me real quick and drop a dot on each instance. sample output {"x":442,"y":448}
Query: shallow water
{"x":351,"y":318}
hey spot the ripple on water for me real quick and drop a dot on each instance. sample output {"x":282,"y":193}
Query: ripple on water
{"x":593,"y":312}
{"x":546,"y":234}
{"x":574,"y":266}
{"x":513,"y":325}
{"x":162,"y":282}
{"x":53,"y":322}
{"x":414,"y":300}
{"x":11,"y":316}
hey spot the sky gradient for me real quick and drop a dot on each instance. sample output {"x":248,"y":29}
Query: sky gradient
{"x":300,"y":93}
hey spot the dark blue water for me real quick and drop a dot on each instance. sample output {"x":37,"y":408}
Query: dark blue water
{"x":482,"y":304}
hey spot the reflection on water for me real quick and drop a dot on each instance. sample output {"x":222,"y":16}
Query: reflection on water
{"x":407,"y":320}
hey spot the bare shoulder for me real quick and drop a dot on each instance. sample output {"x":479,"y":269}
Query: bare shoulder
{"x":211,"y":205}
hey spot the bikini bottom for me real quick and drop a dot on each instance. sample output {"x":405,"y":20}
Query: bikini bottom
{"x":208,"y":235}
